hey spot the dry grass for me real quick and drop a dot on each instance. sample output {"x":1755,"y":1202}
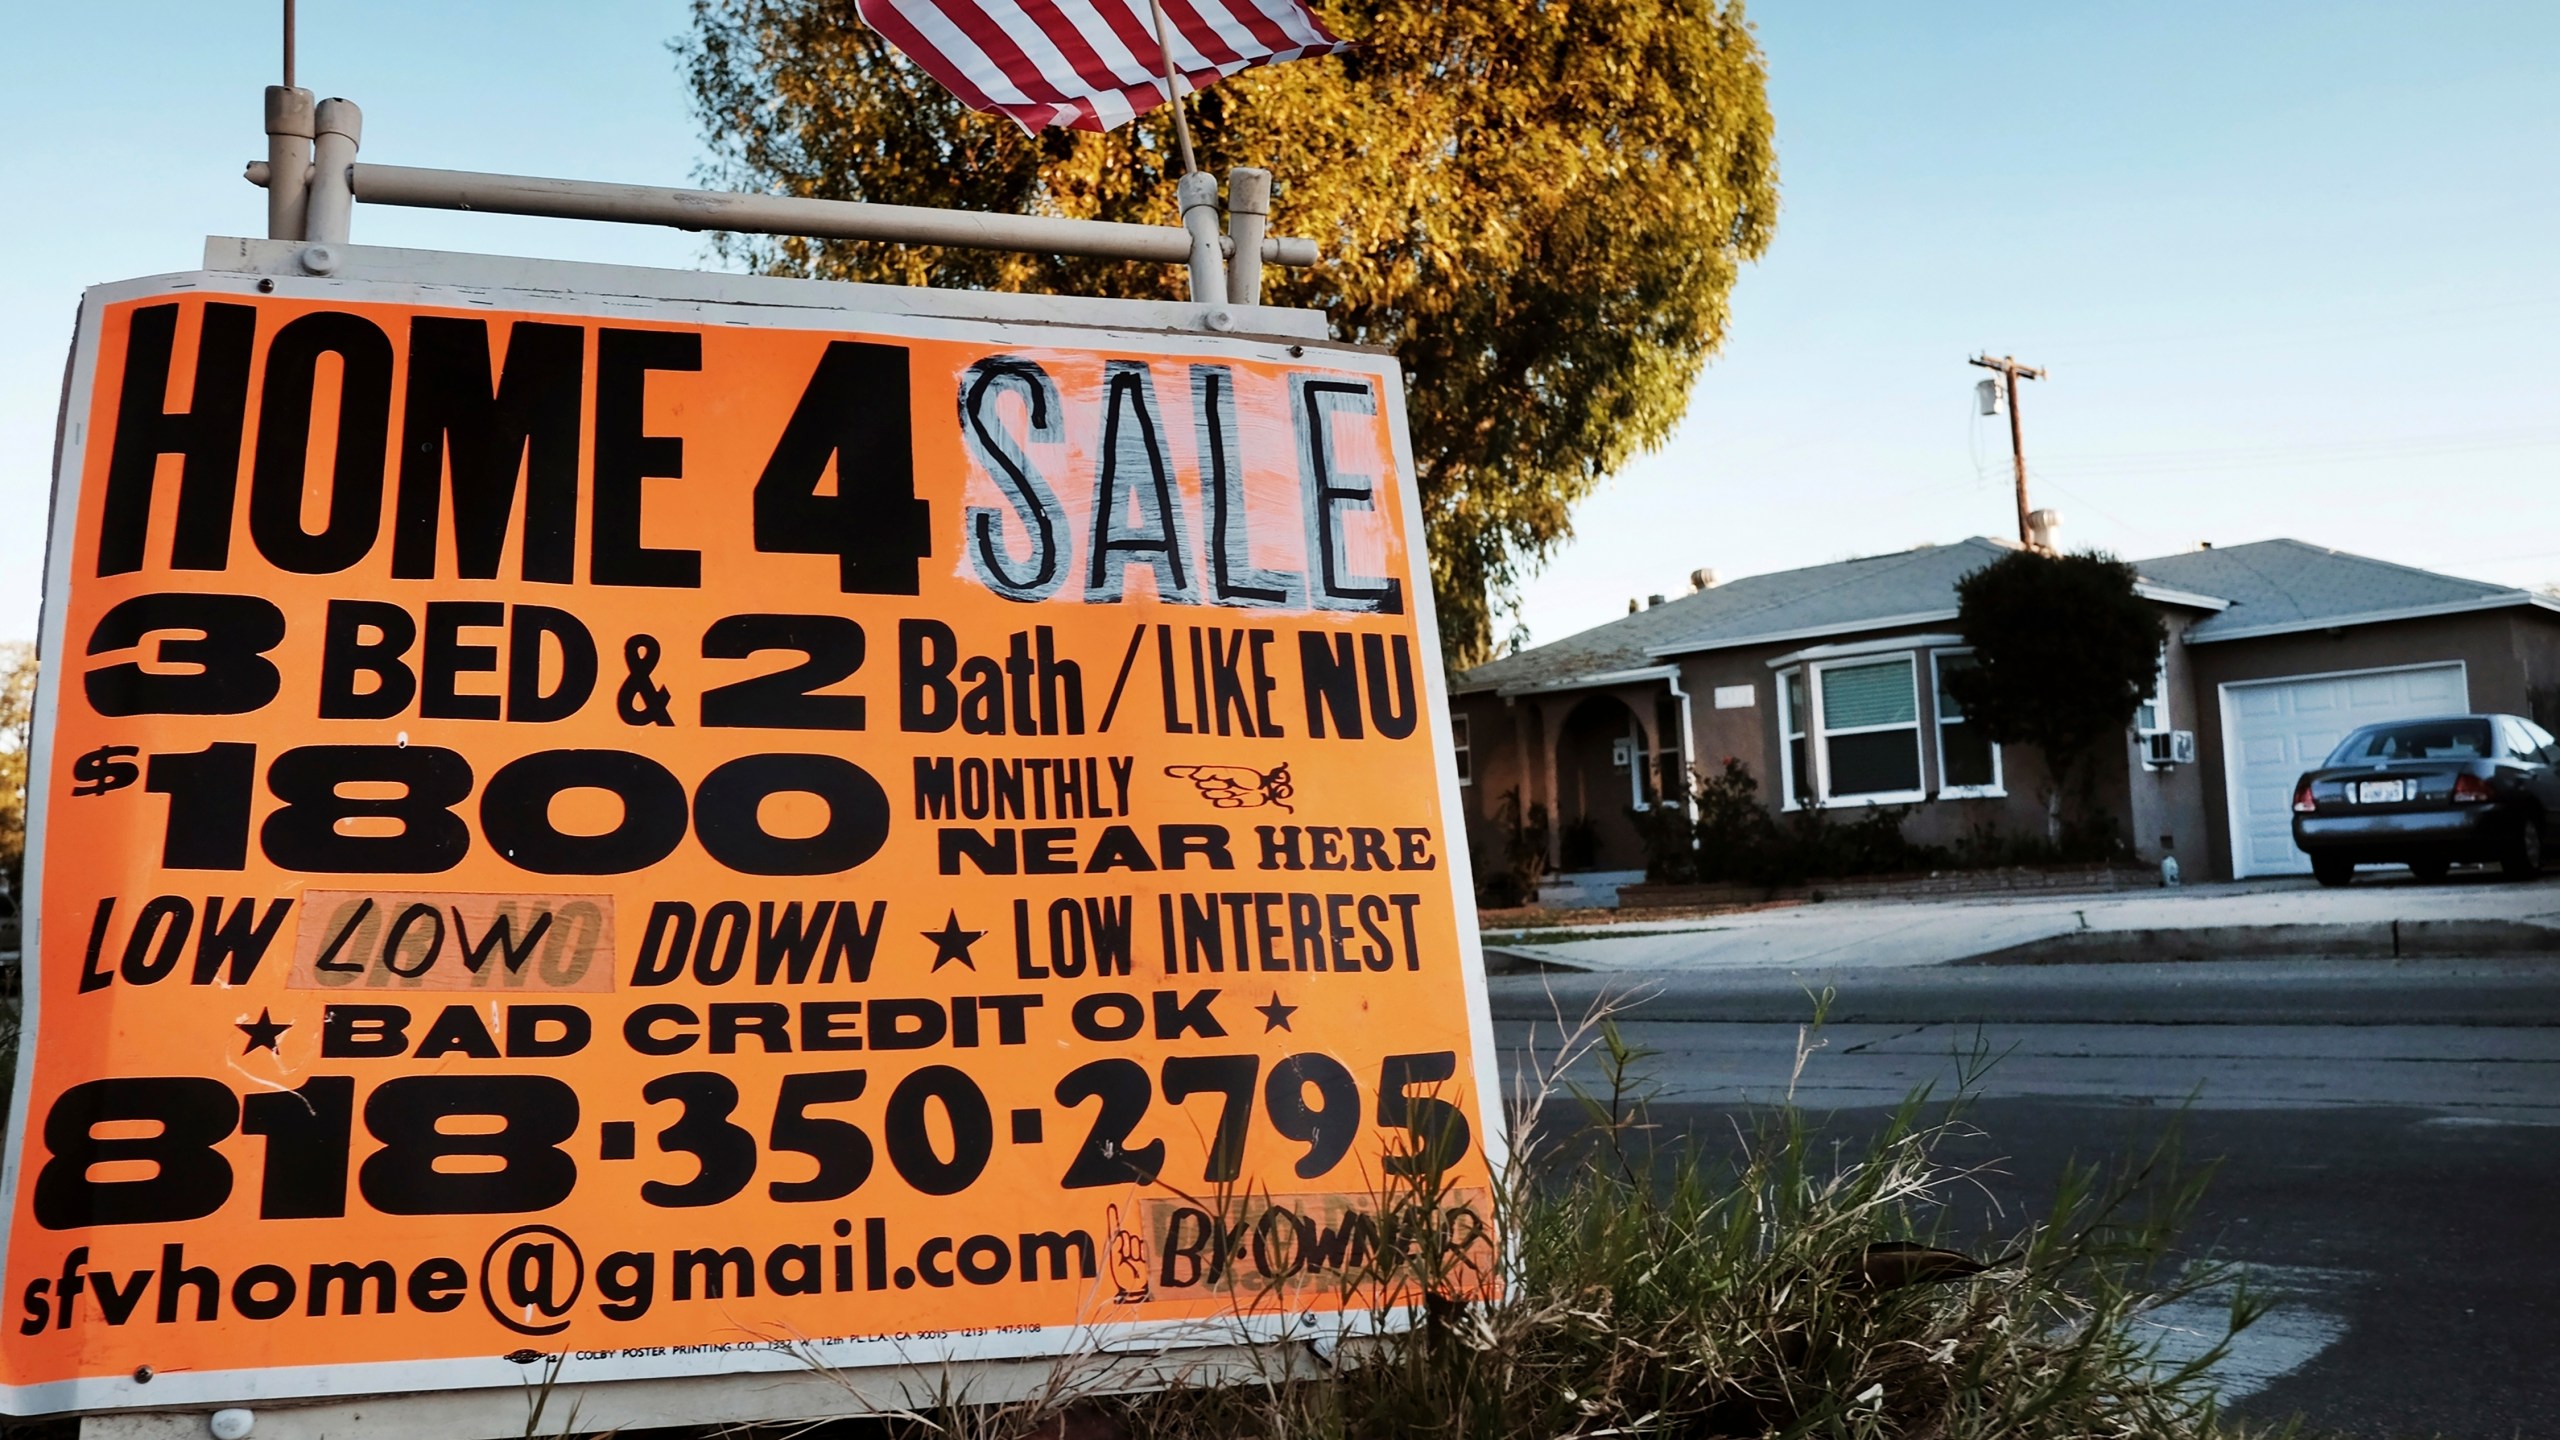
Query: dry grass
{"x":1651,"y":1292}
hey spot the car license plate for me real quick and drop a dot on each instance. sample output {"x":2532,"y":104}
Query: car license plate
{"x":2381,"y":792}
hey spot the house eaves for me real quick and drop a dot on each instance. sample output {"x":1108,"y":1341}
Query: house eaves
{"x":1589,"y":682}
{"x":2163,"y":595}
{"x":2219,"y":635}
{"x":1882,"y":645}
{"x":1816,"y":632}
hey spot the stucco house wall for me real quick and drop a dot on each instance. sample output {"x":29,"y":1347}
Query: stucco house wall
{"x":2165,"y":807}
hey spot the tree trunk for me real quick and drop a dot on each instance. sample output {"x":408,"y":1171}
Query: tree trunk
{"x":2058,"y":769}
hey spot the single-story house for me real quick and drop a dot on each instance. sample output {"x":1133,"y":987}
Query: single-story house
{"x":1824,"y":681}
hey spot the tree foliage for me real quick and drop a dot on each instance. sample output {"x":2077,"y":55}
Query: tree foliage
{"x":17,"y":728}
{"x":1540,"y":207}
{"x":2064,"y":651}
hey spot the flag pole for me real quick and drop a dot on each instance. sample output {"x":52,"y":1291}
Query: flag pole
{"x":1172,"y":94}
{"x":1197,"y":191}
{"x":291,"y":128}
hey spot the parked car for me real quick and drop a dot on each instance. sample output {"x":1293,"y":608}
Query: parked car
{"x":2430,"y":794}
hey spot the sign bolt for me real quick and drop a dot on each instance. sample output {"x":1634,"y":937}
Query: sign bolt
{"x":232,"y":1424}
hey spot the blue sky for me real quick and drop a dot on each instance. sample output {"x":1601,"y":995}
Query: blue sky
{"x":2291,"y":266}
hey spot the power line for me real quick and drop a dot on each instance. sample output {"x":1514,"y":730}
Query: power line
{"x":2153,"y":462}
{"x":2011,"y":371}
{"x":2324,"y":330}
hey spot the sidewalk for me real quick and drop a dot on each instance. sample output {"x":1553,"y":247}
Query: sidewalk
{"x":2469,"y":915}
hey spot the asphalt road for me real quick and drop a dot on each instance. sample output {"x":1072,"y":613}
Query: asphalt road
{"x":2387,"y":1136}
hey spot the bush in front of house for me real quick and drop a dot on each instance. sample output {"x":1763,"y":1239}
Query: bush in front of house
{"x":1733,"y":837}
{"x":1525,"y":833}
{"x":1578,"y":843}
{"x":1670,"y":841}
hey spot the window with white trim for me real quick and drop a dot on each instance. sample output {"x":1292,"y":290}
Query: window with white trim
{"x":1670,"y":770}
{"x":1867,"y":724}
{"x":2153,"y":714}
{"x":1627,"y":756}
{"x":1458,"y":743}
{"x":1968,"y":761}
{"x":1795,"y":759}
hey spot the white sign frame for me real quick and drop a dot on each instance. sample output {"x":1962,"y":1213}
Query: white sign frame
{"x":864,"y":1372}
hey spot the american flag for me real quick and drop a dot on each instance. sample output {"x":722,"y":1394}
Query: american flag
{"x":1089,"y":64}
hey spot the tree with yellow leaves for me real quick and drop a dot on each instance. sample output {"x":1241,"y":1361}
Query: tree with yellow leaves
{"x":1540,"y":205}
{"x":17,"y":730}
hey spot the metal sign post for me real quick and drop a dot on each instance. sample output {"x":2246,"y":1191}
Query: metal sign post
{"x":792,"y":215}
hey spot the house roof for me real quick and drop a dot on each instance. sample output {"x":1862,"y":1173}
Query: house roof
{"x":2279,"y":586}
{"x":1916,"y":587}
{"x":2267,"y":588}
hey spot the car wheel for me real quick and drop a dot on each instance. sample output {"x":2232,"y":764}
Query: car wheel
{"x":2523,"y":859}
{"x":2331,"y":870}
{"x":2428,"y":871}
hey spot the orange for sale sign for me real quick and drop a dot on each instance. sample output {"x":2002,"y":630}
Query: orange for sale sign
{"x":693,"y":836}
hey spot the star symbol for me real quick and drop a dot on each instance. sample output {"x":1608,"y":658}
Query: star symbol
{"x":952,"y":943}
{"x":262,"y":1032}
{"x":1275,"y":1016}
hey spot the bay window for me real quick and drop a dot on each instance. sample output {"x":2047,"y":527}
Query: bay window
{"x":1870,"y":723}
{"x":1968,"y":763}
{"x":1795,"y":761}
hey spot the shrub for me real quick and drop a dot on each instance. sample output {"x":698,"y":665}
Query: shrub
{"x":1578,"y":843}
{"x":1738,"y":839}
{"x":1524,"y":855}
{"x":1670,"y":841}
{"x":1733,"y":837}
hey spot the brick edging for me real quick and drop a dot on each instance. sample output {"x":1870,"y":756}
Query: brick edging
{"x":1944,"y":884}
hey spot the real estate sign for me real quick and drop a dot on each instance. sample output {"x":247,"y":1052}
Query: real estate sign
{"x":694,"y":836}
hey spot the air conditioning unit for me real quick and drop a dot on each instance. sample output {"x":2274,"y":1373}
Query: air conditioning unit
{"x":2169,"y":747}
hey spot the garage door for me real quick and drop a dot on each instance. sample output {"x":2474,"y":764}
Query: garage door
{"x":2273,"y":730}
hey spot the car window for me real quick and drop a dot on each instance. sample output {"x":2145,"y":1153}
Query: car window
{"x":2522,"y":743}
{"x":2542,"y":740}
{"x":2419,"y":740}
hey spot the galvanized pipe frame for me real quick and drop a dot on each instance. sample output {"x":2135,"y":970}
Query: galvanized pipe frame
{"x":331,"y":201}
{"x":1248,"y":216}
{"x":291,"y":128}
{"x":337,"y":180}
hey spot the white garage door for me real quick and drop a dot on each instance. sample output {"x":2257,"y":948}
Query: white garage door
{"x":2273,"y":730}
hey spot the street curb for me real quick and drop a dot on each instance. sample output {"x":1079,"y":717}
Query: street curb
{"x":2377,"y":938}
{"x":1518,"y":960}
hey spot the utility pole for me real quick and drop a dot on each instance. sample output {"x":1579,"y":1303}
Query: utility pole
{"x":2013,"y":372}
